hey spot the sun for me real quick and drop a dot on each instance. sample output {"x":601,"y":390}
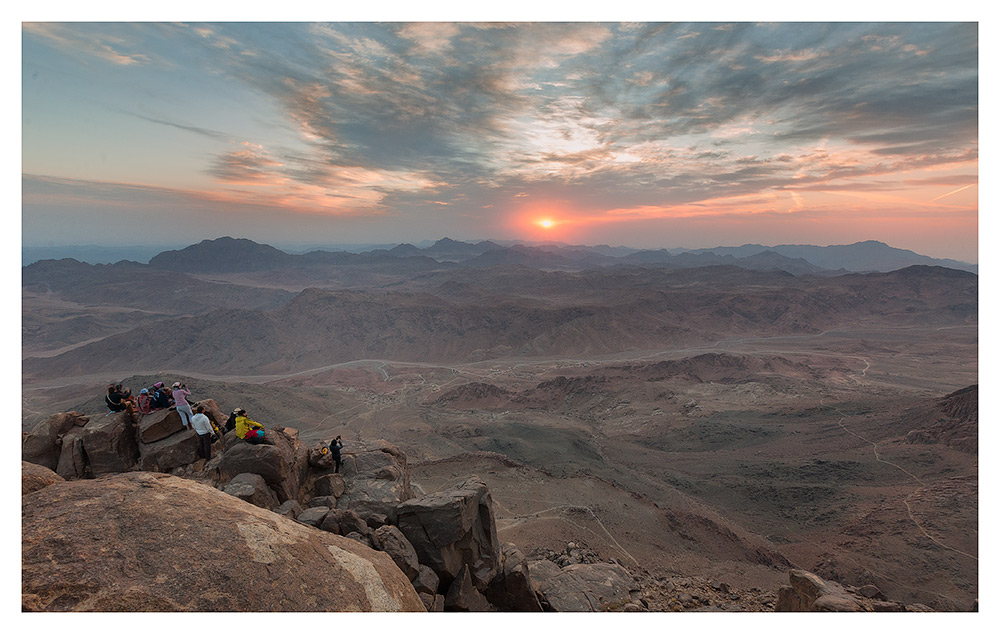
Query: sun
{"x":546,"y":223}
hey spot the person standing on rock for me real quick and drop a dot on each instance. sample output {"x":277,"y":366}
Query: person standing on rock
{"x":180,"y":394}
{"x":335,"y":446}
{"x":203,"y":427}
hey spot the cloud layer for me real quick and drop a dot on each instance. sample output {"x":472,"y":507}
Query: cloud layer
{"x":604,"y":121}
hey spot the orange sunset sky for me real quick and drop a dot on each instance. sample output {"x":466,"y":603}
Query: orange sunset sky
{"x":639,"y":134}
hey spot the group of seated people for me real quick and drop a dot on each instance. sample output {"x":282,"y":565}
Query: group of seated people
{"x":158,"y":396}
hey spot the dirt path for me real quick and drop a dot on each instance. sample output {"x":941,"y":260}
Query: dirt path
{"x":906,"y":500}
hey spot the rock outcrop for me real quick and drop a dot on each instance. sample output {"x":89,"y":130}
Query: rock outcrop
{"x":155,"y":542}
{"x":809,"y":593}
{"x":252,"y":488}
{"x":110,"y":445}
{"x":453,"y":529}
{"x":35,"y":477}
{"x":581,"y":587}
{"x":444,"y":544}
{"x":43,"y":444}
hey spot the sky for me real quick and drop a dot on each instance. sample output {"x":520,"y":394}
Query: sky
{"x":647,"y":135}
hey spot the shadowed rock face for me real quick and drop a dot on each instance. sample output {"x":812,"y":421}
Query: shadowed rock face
{"x":147,"y":541}
{"x":452,"y":529}
{"x":42,"y":445}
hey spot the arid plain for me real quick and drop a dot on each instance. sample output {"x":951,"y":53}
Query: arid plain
{"x":718,"y":419}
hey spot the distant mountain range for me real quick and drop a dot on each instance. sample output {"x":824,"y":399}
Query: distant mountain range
{"x":231,"y":255}
{"x":228,"y":255}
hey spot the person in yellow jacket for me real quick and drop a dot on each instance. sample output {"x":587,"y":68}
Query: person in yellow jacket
{"x":247,"y":429}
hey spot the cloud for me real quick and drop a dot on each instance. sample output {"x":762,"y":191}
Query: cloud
{"x":86,"y":39}
{"x":632,"y":116}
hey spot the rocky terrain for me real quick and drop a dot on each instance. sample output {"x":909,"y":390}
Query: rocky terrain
{"x":706,"y":429}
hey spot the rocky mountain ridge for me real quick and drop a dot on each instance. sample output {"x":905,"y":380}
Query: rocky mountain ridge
{"x":394,"y":547}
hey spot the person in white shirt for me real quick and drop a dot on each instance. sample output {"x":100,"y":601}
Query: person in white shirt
{"x":203,"y":426}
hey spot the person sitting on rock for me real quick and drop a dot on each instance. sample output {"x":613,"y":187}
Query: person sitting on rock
{"x":335,"y":446}
{"x":145,"y":402}
{"x":161,"y":398}
{"x":247,"y":429}
{"x":116,"y":399}
{"x":203,"y":427}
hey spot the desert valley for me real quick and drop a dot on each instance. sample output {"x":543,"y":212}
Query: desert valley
{"x":723,"y":415}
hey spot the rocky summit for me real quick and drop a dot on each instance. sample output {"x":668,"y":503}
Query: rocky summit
{"x":119,"y":515}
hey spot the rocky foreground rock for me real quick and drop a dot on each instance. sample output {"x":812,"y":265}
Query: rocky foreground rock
{"x":155,"y":542}
{"x":274,"y":528}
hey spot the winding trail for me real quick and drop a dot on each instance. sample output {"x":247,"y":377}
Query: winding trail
{"x":521,"y":518}
{"x":906,"y":500}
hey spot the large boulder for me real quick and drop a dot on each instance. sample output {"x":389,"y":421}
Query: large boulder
{"x":283,"y":464}
{"x":511,"y":589}
{"x":252,"y":488}
{"x":110,"y":445}
{"x":72,"y":460}
{"x":375,"y":479}
{"x":320,"y":457}
{"x":173,"y":451}
{"x":454,"y":528}
{"x":159,"y":425}
{"x":329,"y":484}
{"x":42,"y":444}
{"x":35,"y":477}
{"x":214,"y":412}
{"x":391,"y":541}
{"x":267,"y":461}
{"x":581,"y":587}
{"x":807,"y":592}
{"x":154,"y":542}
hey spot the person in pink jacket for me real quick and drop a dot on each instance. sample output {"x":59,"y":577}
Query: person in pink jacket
{"x":180,"y":394}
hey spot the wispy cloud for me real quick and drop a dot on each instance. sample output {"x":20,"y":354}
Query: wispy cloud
{"x":92,"y":42}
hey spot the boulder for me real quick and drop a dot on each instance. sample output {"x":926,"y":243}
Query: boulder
{"x":320,"y":457}
{"x":454,"y":528}
{"x":511,"y":589}
{"x":375,"y":520}
{"x":252,"y":488}
{"x":375,"y":479}
{"x":361,"y":539}
{"x":432,"y":602}
{"x":72,"y":461}
{"x":41,"y":446}
{"x":342,"y":522}
{"x":463,"y":596}
{"x":159,"y":425}
{"x":313,"y":515}
{"x":290,"y":509}
{"x":110,"y":444}
{"x":807,"y":592}
{"x":169,"y":544}
{"x":391,"y":541}
{"x":267,"y":461}
{"x":214,"y":412}
{"x":872,"y":592}
{"x":35,"y":477}
{"x":427,"y":580}
{"x":173,"y":451}
{"x":326,"y":500}
{"x":329,"y":484}
{"x":286,"y":439}
{"x":581,"y":587}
